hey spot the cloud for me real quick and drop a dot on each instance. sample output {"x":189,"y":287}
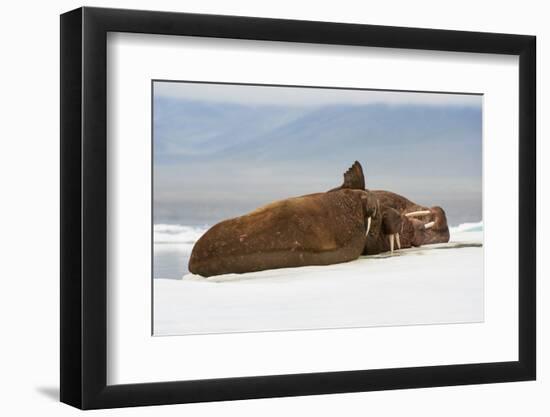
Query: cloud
{"x":307,"y":97}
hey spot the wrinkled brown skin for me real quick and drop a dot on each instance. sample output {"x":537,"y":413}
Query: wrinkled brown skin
{"x":315,"y":229}
{"x":392,"y":219}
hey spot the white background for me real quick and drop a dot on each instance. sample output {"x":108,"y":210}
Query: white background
{"x":30,"y":174}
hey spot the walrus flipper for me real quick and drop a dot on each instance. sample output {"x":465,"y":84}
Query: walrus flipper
{"x":354,"y":178}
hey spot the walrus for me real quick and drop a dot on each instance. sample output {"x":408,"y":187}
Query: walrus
{"x":397,"y":221}
{"x":315,"y":229}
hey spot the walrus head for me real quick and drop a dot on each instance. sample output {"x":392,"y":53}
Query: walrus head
{"x":428,"y":226}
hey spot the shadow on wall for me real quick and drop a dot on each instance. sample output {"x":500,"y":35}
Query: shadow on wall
{"x":50,"y":392}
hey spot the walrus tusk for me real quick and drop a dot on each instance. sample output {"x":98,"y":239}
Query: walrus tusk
{"x":397,"y":241}
{"x":417,"y":213}
{"x":429,"y":225}
{"x":368,"y":226}
{"x":391,"y":242}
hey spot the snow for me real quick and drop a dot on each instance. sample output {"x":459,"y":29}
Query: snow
{"x":433,"y":284}
{"x":175,"y":233}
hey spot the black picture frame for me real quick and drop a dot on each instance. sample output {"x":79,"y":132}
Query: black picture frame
{"x":84,"y":207}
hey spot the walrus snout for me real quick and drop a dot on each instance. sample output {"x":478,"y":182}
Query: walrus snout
{"x":429,"y":226}
{"x":439,"y":219}
{"x":392,"y":224}
{"x":439,"y":230}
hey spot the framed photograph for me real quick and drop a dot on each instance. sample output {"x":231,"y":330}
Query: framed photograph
{"x":257,"y":208}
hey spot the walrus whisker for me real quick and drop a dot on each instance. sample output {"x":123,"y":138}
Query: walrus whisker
{"x":417,"y":213}
{"x":429,"y":225}
{"x":368,"y":226}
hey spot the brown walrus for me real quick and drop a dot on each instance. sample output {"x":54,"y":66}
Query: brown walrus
{"x":397,"y":221}
{"x":316,"y":229}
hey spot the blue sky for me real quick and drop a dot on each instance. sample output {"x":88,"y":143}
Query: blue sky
{"x":221,"y":150}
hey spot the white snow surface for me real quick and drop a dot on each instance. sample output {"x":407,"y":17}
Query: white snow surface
{"x":433,"y":284}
